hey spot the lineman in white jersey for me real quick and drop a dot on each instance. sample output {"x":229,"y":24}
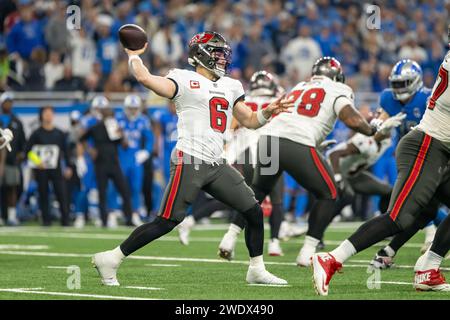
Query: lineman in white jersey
{"x":206,"y":100}
{"x":423,"y":157}
{"x":290,"y":141}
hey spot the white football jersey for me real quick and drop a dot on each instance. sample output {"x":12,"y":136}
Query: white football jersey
{"x":204,"y":110}
{"x":369,"y":153}
{"x":243,"y":137}
{"x":436,"y":119}
{"x":317,"y":105}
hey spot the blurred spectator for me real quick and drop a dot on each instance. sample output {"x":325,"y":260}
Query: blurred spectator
{"x":300,"y":53}
{"x":166,"y":46}
{"x":83,"y":53}
{"x":56,"y":34}
{"x":27,"y":34}
{"x":411,"y":49}
{"x":123,"y":16}
{"x":69,"y":82}
{"x":92,"y":83}
{"x":53,"y":70}
{"x":260,"y":53}
{"x":114,"y":82}
{"x":34,"y":71}
{"x":107,"y":45}
{"x":4,"y":67}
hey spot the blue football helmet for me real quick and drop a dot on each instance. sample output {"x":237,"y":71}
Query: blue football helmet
{"x":405,"y":79}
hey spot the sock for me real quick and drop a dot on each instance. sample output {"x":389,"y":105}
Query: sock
{"x":234,"y":229}
{"x":430,"y":232}
{"x":254,"y":231}
{"x":189,"y":221}
{"x":146,"y":233}
{"x":310,"y":243}
{"x":257,"y":262}
{"x":390,"y":252}
{"x":118,"y":254}
{"x":12,"y":216}
{"x":432,"y":261}
{"x":344,"y":251}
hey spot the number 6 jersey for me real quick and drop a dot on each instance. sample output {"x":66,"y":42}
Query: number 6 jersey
{"x":204,"y":108}
{"x":317,"y":105}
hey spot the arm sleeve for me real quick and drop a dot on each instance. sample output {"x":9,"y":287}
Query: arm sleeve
{"x":175,"y":76}
{"x":239,"y":93}
{"x":344,"y":97}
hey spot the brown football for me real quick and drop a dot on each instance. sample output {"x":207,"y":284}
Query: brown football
{"x":132,"y":36}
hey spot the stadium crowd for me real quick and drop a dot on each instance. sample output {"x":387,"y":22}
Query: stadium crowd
{"x":38,"y":53}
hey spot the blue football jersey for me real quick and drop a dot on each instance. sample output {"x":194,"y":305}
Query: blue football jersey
{"x":168,"y":122}
{"x":138,"y":132}
{"x":414,"y":109}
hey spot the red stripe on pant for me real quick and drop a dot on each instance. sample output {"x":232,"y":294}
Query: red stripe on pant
{"x":413,"y":176}
{"x":323,"y":172}
{"x":174,"y":186}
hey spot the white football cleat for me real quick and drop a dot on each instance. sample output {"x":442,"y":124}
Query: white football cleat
{"x":97,"y":222}
{"x":324,"y":266}
{"x":106,"y":265}
{"x":184,"y":229}
{"x":227,"y":245}
{"x":2,"y":223}
{"x":111,"y":223}
{"x":136,"y":219}
{"x":274,"y":248}
{"x":259,"y":275}
{"x":79,"y":222}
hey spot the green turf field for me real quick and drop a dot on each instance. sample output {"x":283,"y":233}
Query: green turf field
{"x":34,"y":261}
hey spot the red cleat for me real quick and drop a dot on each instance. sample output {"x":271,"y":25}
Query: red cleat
{"x":324,"y":266}
{"x":430,"y":280}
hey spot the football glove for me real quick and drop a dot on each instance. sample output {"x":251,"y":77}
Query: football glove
{"x":8,"y":136}
{"x":142,"y":156}
{"x":384,"y":127}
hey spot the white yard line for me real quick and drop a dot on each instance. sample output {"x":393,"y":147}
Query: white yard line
{"x":23,"y":247}
{"x":180,"y":259}
{"x":69,"y":294}
{"x":143,"y":288}
{"x":162,"y":265}
{"x":269,"y":285}
{"x":56,"y":267}
{"x":394,"y":282}
{"x":101,"y":236}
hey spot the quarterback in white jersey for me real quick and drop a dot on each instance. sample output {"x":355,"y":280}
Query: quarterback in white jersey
{"x":317,"y":105}
{"x":206,"y":100}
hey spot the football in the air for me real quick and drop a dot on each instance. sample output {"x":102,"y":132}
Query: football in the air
{"x":132,"y":36}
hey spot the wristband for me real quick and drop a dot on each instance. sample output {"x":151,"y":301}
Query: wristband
{"x":260,"y":116}
{"x":131,"y":58}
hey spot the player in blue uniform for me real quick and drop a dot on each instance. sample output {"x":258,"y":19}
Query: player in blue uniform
{"x":166,"y":134}
{"x":406,"y":94}
{"x":87,"y":198}
{"x":139,"y":137}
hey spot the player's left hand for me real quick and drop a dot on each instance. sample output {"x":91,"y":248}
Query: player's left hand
{"x":281,"y":104}
{"x":392,"y":122}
